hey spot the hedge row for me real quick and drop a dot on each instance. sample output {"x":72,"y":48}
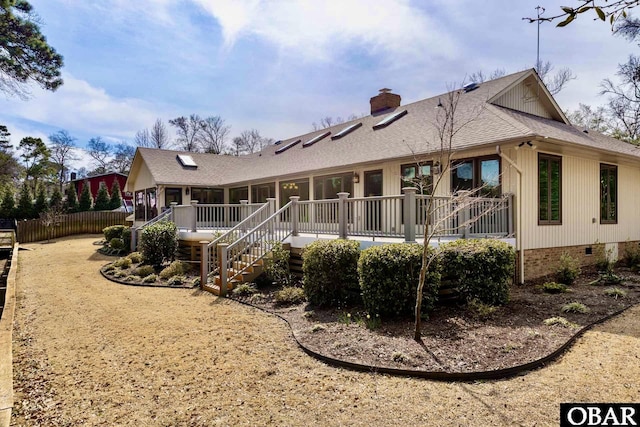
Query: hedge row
{"x":384,"y":278}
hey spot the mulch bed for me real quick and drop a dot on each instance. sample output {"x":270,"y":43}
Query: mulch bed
{"x":456,"y":339}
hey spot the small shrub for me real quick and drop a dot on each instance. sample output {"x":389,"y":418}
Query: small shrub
{"x":196,"y":281}
{"x":113,"y":232}
{"x":244,"y":289}
{"x":344,"y":318}
{"x":135,"y":257}
{"x":144,"y":270}
{"x":481,"y":310}
{"x":318,"y":328}
{"x":330,"y":272}
{"x":122,"y":263}
{"x":126,"y":237}
{"x":109,"y":268}
{"x":575,"y":307}
{"x":554,"y":288}
{"x":131,"y":278}
{"x":176,"y":268}
{"x":276,"y":265}
{"x":483,"y":268}
{"x":400,"y":357}
{"x":603,"y":261}
{"x":150,"y":278}
{"x":568,"y":269}
{"x":117,"y":244}
{"x":631,"y":254}
{"x":615,"y":293}
{"x":290,"y":295}
{"x":119,"y":273}
{"x":176,"y":280}
{"x":559,"y":321}
{"x":159,"y":243}
{"x":372,"y":322}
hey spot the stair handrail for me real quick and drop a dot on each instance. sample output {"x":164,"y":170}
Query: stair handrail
{"x":232,"y":253}
{"x":134,"y":230}
{"x":238,"y":226}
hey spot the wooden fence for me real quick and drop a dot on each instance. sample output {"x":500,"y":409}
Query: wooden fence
{"x":77,"y":223}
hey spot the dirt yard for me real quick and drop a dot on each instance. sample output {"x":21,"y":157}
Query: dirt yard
{"x":88,"y":351}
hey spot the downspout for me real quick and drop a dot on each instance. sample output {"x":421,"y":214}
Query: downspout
{"x":519,"y":210}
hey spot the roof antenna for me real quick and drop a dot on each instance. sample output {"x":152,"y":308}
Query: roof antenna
{"x":538,"y":9}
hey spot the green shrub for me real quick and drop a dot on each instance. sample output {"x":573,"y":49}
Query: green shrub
{"x":150,"y":278}
{"x":176,"y":268}
{"x":330,"y":272}
{"x":575,"y":307}
{"x":389,"y":277}
{"x":135,"y":257}
{"x":481,"y":310}
{"x":276,"y":265}
{"x":113,"y":232}
{"x":116,"y":244}
{"x":122,"y":263}
{"x":483,"y":268}
{"x":289,"y":295}
{"x":603,"y":260}
{"x":568,"y":269}
{"x":177,"y":280}
{"x":126,"y":237}
{"x":159,"y":243}
{"x":615,"y":292}
{"x":119,"y":273}
{"x":554,"y":288}
{"x":245,"y":289}
{"x":631,"y":254}
{"x":144,"y":270}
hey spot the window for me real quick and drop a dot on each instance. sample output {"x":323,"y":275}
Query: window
{"x":549,"y":189}
{"x":389,"y":119}
{"x":187,"y":161}
{"x":481,"y":174}
{"x":261,"y":192}
{"x":608,"y":194}
{"x":316,"y":139}
{"x":289,"y":145}
{"x":328,"y":187}
{"x":418,"y":176}
{"x":346,"y":131}
{"x":237,"y":194}
{"x":172,"y":195}
{"x":293,"y":188}
{"x":208,"y":196}
{"x":146,"y":208}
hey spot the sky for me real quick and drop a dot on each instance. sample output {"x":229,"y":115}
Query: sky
{"x":279,"y":66}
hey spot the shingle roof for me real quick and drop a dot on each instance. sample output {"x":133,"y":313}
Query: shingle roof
{"x":411,"y":135}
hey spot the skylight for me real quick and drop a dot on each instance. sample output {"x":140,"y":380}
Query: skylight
{"x":316,"y":139}
{"x":346,"y":131}
{"x":390,"y":119}
{"x":186,"y":161}
{"x":289,"y":145}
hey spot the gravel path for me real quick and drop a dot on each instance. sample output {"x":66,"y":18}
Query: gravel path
{"x":91,"y":352}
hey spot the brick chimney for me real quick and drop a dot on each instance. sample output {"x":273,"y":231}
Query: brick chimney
{"x":384,"y":100}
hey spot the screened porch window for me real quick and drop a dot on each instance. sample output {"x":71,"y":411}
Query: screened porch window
{"x":237,"y":194}
{"x":298,"y":187}
{"x":261,"y":192}
{"x":172,"y":195}
{"x":328,"y":187}
{"x":608,"y":194}
{"x":146,"y":204}
{"x":208,"y":196}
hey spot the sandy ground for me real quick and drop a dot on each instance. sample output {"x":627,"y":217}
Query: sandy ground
{"x":91,"y":352}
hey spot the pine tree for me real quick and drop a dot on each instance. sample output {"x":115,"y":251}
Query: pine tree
{"x":25,"y":203}
{"x":116,"y":197}
{"x":102,"y":198}
{"x":7,"y":208}
{"x":55,"y":202}
{"x":41,"y":201}
{"x":86,"y":200}
{"x":71,"y":204}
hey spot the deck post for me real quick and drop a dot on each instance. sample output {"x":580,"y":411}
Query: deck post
{"x":342,"y":215}
{"x":294,"y":214}
{"x":409,"y":214}
{"x":194,"y":215}
{"x":222,"y":263}
{"x":465,"y":213}
{"x":244,"y":213}
{"x":172,"y":206}
{"x":272,"y":210}
{"x":204,"y":263}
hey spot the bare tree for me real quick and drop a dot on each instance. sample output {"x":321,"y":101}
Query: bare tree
{"x":62,"y":152}
{"x":250,"y":141}
{"x":213,"y":134}
{"x":143,"y":138}
{"x":123,"y":154}
{"x":50,"y":219}
{"x":479,"y":76}
{"x":557,"y":81}
{"x":188,"y":130}
{"x":587,"y":117}
{"x":100,"y":151}
{"x":159,"y":135}
{"x":237,"y":146}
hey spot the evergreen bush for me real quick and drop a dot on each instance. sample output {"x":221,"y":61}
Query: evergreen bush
{"x":568,"y":269}
{"x":24,"y":210}
{"x":55,"y":201}
{"x":159,"y":243}
{"x":102,"y":198}
{"x":330,"y":272}
{"x":389,"y":277}
{"x":71,"y":204}
{"x":113,"y":232}
{"x":41,"y":201}
{"x":115,"y":201}
{"x":7,"y":208}
{"x":483,"y":268}
{"x":86,"y":200}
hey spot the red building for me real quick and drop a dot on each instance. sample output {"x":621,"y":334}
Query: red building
{"x":107,"y":178}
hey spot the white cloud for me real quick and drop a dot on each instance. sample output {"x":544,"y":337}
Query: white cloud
{"x":79,"y":106}
{"x":322,"y":31}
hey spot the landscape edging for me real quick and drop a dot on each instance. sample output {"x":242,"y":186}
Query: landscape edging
{"x":441,"y":375}
{"x":6,"y":343}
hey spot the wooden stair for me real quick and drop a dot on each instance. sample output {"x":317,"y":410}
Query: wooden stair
{"x":234,"y":277}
